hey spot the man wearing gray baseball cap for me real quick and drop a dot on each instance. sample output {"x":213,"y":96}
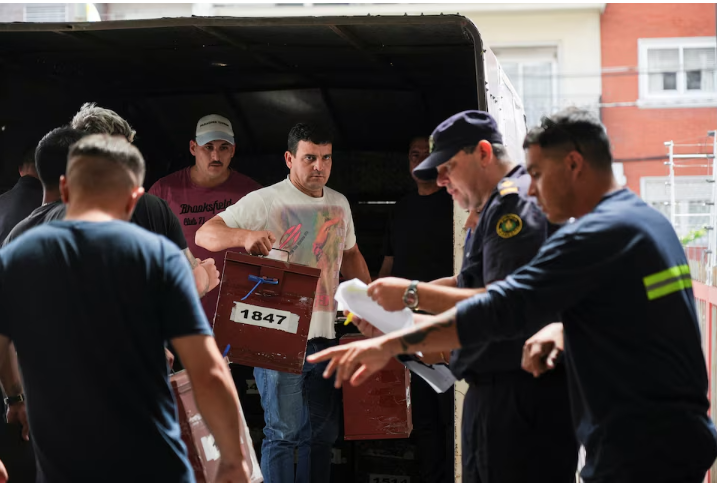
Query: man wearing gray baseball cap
{"x":199,"y":192}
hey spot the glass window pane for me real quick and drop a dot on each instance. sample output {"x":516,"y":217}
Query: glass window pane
{"x":662,"y":60}
{"x":537,"y":91}
{"x":656,"y":82}
{"x":699,"y":59}
{"x":669,"y":81}
{"x":694,"y":80}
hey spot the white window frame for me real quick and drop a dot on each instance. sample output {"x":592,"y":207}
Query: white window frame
{"x":527,"y":57}
{"x":680,"y":98}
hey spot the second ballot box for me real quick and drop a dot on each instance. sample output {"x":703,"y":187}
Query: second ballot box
{"x":201,"y":449}
{"x":380,"y":408}
{"x":264,"y":311}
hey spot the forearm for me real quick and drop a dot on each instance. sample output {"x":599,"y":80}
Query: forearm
{"x":10,"y":373}
{"x":446,"y":282}
{"x":439,"y":334}
{"x":218,"y":403}
{"x":354,"y":266}
{"x":438,"y":298}
{"x":215,"y":236}
{"x":386,"y":267}
{"x":502,"y":313}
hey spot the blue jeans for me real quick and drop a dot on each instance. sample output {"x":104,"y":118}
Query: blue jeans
{"x":301,"y":411}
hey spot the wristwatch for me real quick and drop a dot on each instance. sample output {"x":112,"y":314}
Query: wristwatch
{"x":410,"y":297}
{"x":12,"y":400}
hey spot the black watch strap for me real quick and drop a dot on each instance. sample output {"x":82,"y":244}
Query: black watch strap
{"x":11,"y":400}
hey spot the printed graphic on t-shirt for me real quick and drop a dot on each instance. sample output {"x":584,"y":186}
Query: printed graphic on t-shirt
{"x":214,"y":207}
{"x":315,"y":237}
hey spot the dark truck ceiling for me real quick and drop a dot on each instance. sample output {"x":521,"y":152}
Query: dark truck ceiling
{"x":377,"y":80}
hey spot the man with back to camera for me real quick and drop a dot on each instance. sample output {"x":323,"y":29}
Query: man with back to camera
{"x":500,"y":444}
{"x":18,"y":202}
{"x":419,"y":245}
{"x":618,"y":277}
{"x":97,"y":270}
{"x":151,"y":212}
{"x":301,"y":411}
{"x":198,"y":193}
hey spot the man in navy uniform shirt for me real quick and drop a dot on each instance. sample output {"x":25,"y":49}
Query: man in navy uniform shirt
{"x":619,"y":279}
{"x":502,"y":438}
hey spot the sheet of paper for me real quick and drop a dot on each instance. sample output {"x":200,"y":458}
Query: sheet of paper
{"x":352,"y":296}
{"x":439,"y":377}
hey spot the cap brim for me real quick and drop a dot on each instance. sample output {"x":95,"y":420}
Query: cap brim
{"x":427,"y":169}
{"x":214,"y":136}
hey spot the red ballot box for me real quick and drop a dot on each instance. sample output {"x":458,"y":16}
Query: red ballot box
{"x":203,"y":453}
{"x":264,"y":311}
{"x":380,"y":408}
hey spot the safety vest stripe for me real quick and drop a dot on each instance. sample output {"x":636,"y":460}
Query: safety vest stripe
{"x":675,"y":286}
{"x":684,"y":276}
{"x":670,"y":273}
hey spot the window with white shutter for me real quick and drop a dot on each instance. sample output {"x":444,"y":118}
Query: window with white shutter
{"x":533,"y":74}
{"x":677,"y":72}
{"x":45,"y":12}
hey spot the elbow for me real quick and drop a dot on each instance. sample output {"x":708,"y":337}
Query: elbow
{"x":204,"y":239}
{"x":210,"y":379}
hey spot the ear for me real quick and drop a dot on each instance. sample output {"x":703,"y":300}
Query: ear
{"x":485,"y":150}
{"x":193,"y":147}
{"x":576,"y":163}
{"x":137,"y":193}
{"x":289,"y":158}
{"x":64,"y":191}
{"x":233,"y":150}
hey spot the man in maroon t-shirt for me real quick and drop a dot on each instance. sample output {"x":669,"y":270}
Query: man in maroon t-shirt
{"x":200,"y":192}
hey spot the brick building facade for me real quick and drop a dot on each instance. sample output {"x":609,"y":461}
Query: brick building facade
{"x":658,"y":85}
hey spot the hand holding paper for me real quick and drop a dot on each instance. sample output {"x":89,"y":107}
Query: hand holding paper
{"x":353,"y":296}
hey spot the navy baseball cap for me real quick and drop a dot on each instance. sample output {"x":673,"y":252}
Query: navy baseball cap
{"x":455,"y":133}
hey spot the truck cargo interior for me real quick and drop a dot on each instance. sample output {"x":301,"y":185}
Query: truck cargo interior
{"x":376,"y":81}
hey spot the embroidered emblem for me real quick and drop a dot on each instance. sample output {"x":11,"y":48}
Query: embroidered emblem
{"x":509,"y":225}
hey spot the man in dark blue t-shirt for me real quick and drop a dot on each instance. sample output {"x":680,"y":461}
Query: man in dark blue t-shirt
{"x":619,"y":279}
{"x":99,"y":401}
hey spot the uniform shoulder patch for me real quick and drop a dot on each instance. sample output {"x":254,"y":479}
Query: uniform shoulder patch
{"x":509,"y":225}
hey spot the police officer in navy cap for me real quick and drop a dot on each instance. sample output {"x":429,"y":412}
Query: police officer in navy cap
{"x":516,"y":428}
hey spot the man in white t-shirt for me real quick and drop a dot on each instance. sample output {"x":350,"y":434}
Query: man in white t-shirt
{"x":314,"y":224}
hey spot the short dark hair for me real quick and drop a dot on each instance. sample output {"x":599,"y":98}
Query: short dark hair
{"x":116,"y":151}
{"x":28,"y":159}
{"x":574,"y":129}
{"x":499,"y":150}
{"x":51,"y":154}
{"x":309,"y":132}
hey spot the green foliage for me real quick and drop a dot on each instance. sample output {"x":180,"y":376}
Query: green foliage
{"x":692,"y":236}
